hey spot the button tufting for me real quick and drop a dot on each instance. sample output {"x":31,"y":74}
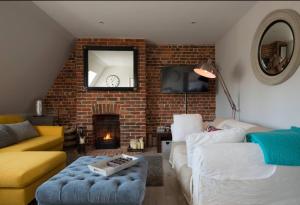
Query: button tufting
{"x":91,"y":182}
{"x":63,"y":183}
{"x":86,"y":181}
{"x":118,"y":183}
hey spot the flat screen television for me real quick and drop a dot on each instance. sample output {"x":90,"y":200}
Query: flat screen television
{"x":182,"y":79}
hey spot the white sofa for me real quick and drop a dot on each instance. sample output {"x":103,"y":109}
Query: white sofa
{"x":281,"y":187}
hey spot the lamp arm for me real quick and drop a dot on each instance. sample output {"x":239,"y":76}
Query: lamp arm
{"x":229,"y":98}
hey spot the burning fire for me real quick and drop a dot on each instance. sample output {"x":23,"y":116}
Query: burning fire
{"x":107,"y":137}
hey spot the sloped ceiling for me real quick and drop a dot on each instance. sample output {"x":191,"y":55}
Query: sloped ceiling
{"x":33,"y":50}
{"x":162,"y":22}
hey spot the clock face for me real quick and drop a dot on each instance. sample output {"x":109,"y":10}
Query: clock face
{"x":112,"y":81}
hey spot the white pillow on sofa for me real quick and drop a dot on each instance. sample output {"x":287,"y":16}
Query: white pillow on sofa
{"x":185,"y":124}
{"x":231,"y":123}
{"x":195,"y":141}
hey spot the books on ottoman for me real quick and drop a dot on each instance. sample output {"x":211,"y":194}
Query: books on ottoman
{"x":113,"y":165}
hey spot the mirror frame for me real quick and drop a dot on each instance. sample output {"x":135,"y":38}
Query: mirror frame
{"x":292,"y":18}
{"x":86,"y":49}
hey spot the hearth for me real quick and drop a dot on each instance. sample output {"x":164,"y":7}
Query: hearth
{"x":106,"y":131}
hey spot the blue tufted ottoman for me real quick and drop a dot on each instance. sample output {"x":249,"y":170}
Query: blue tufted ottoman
{"x":77,"y":185}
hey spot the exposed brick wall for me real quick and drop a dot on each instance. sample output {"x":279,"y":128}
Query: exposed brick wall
{"x":268,"y":50}
{"x":76,"y":105}
{"x":61,"y":98}
{"x":161,"y":107}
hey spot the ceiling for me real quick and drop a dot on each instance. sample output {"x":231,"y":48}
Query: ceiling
{"x":162,"y":22}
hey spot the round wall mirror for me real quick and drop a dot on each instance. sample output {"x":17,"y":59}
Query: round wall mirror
{"x":275,"y":49}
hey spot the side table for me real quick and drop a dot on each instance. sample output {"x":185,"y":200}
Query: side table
{"x":41,"y":120}
{"x":162,"y":136}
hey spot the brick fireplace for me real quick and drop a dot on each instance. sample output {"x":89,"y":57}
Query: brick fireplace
{"x":106,"y":125}
{"x":106,"y":131}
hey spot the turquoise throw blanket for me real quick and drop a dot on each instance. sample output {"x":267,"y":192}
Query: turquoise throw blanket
{"x":280,"y":147}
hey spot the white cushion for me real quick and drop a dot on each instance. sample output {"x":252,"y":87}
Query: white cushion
{"x":195,"y":141}
{"x":231,"y":123}
{"x":186,"y":124}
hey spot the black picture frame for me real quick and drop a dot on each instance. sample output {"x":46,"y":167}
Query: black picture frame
{"x":86,"y":50}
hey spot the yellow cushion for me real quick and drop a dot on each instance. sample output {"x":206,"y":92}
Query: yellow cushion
{"x":34,"y":166}
{"x":50,"y":130}
{"x":41,"y":143}
{"x":9,"y":119}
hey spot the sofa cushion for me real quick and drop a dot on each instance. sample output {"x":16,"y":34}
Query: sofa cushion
{"x":184,"y":178}
{"x":8,"y":119}
{"x":183,"y":172}
{"x":35,"y":165}
{"x":231,"y":123}
{"x":23,"y":130}
{"x":7,"y":137}
{"x":40,"y":143}
{"x":179,"y":156}
{"x":185,"y":124}
{"x":196,"y":141}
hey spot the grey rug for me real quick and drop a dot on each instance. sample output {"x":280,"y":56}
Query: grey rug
{"x":155,"y":170}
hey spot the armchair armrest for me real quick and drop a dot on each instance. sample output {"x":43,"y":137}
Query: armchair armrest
{"x":231,"y":161}
{"x":50,"y":130}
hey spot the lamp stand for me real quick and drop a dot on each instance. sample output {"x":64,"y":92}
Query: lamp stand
{"x":229,"y":98}
{"x":186,"y":102}
{"x":208,"y":70}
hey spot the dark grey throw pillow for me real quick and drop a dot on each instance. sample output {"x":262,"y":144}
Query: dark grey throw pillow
{"x":23,"y":130}
{"x":7,"y":136}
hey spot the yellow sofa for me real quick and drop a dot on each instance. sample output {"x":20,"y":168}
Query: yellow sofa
{"x":26,"y":165}
{"x":51,"y":137}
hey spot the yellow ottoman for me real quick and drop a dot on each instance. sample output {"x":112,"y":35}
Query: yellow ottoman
{"x":22,"y":172}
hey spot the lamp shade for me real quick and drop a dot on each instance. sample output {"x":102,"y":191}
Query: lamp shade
{"x":206,"y":70}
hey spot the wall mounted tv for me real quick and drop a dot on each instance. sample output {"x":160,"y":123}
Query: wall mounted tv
{"x":182,"y":79}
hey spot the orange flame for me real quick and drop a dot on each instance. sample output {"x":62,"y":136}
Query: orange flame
{"x":107,"y":137}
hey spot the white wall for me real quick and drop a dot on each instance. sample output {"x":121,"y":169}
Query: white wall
{"x":274,"y":106}
{"x":33,"y":49}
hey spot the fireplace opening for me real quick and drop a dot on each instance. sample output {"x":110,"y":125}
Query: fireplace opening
{"x":106,"y":131}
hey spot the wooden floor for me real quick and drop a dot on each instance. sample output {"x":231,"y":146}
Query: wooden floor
{"x":169,"y":194}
